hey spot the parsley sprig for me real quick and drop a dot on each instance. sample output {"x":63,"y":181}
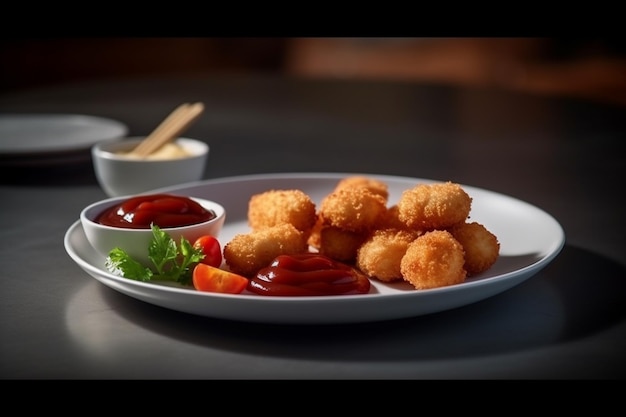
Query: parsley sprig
{"x":170,"y":261}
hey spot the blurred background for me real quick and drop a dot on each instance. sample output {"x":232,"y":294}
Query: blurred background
{"x":586,"y":68}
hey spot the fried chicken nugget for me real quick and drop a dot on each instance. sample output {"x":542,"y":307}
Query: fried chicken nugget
{"x":434,"y":206}
{"x":380,"y":255}
{"x":339,"y":244}
{"x":274,"y":207}
{"x":353,"y":209}
{"x":435,"y":259}
{"x":246,"y":253}
{"x":481,"y":246}
{"x":374,"y":185}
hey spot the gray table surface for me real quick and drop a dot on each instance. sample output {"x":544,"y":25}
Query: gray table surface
{"x":564,"y":156}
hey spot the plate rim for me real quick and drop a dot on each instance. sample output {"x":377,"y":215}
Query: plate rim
{"x":512,"y":277}
{"x":59,"y":151}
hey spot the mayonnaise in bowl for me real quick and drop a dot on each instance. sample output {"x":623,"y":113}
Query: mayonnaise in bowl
{"x":170,"y":150}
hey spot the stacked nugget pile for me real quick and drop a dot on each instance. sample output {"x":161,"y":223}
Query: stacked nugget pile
{"x":424,"y":239}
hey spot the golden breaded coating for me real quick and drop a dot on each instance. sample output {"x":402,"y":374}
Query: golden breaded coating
{"x":434,"y":206}
{"x":245,"y":254}
{"x":353,"y":209}
{"x":481,"y":246}
{"x":374,"y":185}
{"x":274,"y":207}
{"x":380,"y":255}
{"x":435,"y":259}
{"x":391,"y":220}
{"x":315,"y":237}
{"x":340,"y":245}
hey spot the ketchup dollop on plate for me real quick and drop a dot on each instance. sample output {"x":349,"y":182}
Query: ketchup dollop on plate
{"x":163,"y":210}
{"x":308,"y":274}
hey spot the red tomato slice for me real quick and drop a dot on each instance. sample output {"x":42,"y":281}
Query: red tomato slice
{"x":212,"y":279}
{"x":211,"y":248}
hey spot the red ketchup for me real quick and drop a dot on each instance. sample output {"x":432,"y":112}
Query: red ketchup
{"x":164,"y":210}
{"x":308,"y":274}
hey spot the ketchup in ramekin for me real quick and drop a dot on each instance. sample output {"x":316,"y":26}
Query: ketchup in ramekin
{"x":163,"y":210}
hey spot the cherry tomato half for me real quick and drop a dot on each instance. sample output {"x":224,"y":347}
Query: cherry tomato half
{"x":212,"y":279}
{"x":211,"y":248}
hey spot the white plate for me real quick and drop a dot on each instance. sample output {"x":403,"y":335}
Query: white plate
{"x":529,"y":239}
{"x":42,"y":134}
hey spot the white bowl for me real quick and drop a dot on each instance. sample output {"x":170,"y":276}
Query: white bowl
{"x":120,"y":175}
{"x":135,"y":242}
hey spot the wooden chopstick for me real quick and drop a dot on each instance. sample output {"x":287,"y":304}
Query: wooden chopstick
{"x":173,"y":125}
{"x":148,"y":143}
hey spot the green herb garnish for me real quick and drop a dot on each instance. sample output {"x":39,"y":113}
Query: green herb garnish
{"x":170,"y":261}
